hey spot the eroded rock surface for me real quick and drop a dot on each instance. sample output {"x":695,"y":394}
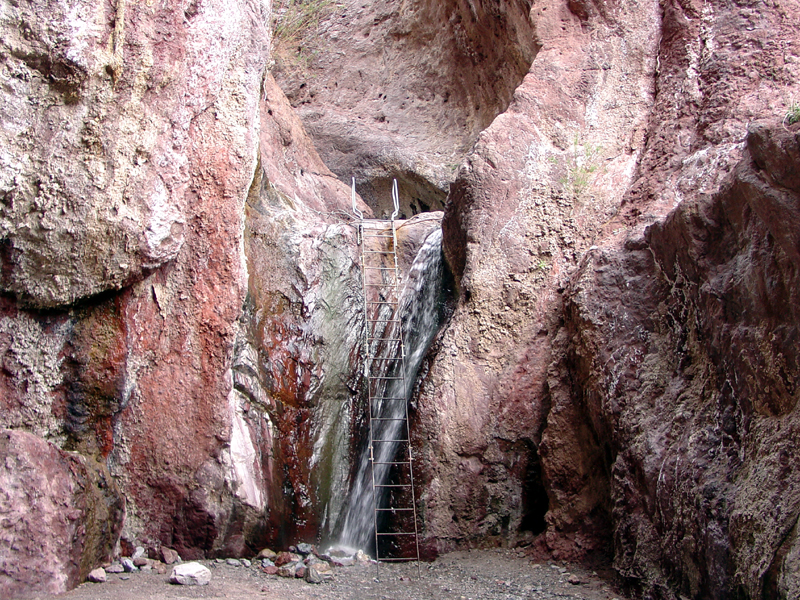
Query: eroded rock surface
{"x":99,"y":101}
{"x":519,"y":216}
{"x":682,"y":356}
{"x":60,"y":515}
{"x":402,"y":89}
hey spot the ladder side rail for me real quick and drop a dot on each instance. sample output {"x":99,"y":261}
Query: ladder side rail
{"x":405,"y":406}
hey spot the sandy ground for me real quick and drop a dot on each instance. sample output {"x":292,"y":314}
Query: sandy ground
{"x":473,"y":575}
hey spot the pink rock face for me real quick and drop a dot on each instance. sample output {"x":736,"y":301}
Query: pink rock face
{"x":150,"y":153}
{"x":60,"y":515}
{"x":527,"y":202}
{"x":402,"y":90}
{"x":597,"y":144}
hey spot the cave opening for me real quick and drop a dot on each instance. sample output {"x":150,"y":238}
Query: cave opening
{"x":535,"y":502}
{"x":417,"y":194}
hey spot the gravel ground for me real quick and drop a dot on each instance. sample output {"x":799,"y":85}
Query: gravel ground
{"x":473,"y":575}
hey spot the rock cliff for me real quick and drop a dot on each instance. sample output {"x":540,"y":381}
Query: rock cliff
{"x":180,"y":307}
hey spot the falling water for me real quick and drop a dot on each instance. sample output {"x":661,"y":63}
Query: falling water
{"x":420,"y":310}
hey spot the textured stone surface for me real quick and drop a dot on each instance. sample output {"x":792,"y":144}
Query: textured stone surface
{"x":682,"y":356}
{"x":402,"y":89}
{"x":650,"y":104}
{"x":179,"y":276}
{"x":98,"y":106}
{"x":140,"y":379}
{"x":60,"y":515}
{"x":516,"y":224}
{"x":191,"y":573}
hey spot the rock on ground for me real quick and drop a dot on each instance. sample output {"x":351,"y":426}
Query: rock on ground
{"x":191,"y":573}
{"x":97,"y":575}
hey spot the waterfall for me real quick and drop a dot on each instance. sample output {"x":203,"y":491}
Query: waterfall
{"x":420,"y":311}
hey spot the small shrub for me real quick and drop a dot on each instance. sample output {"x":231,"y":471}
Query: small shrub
{"x":581,"y":164}
{"x":293,"y":17}
{"x":793,"y":116}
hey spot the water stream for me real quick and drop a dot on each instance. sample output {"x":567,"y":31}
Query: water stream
{"x":420,"y":308}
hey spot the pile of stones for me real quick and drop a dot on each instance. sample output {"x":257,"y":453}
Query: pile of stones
{"x":303,"y":561}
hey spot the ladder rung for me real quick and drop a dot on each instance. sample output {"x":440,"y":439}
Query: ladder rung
{"x":393,"y":462}
{"x":392,"y":509}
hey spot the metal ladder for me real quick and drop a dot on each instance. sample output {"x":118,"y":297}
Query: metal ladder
{"x":385,"y":373}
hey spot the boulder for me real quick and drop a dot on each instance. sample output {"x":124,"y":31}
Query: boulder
{"x":128,"y":565}
{"x":54,"y":537}
{"x":191,"y":573}
{"x":267,"y":553}
{"x":289,"y":569}
{"x":97,"y":575}
{"x":169,"y":556}
{"x":286,"y":557}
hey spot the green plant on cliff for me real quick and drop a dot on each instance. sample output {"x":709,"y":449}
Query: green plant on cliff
{"x":293,"y":17}
{"x":581,"y":163}
{"x":793,"y":115}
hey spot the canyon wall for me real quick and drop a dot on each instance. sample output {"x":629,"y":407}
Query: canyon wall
{"x":401,"y":89}
{"x":179,"y":303}
{"x":628,"y":113}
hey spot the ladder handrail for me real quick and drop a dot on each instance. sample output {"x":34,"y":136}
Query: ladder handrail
{"x":356,"y":211}
{"x":395,"y":201}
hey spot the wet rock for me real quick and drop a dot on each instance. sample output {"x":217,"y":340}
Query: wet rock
{"x":191,"y":573}
{"x":305,"y":549}
{"x":52,"y":537}
{"x":343,"y":561}
{"x":97,"y":575}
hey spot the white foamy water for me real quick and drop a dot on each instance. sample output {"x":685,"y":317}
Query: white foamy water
{"x":419,"y":309}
